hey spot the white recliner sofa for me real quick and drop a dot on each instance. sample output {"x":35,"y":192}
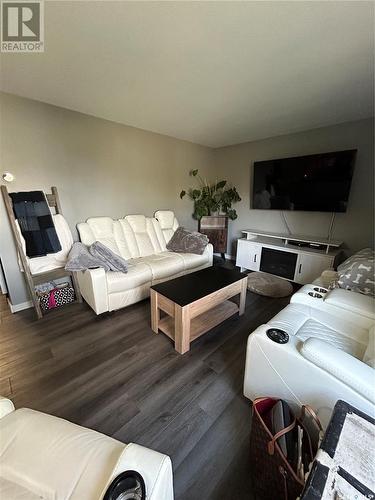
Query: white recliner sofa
{"x":329,"y":355}
{"x":45,"y":457}
{"x":142,"y":242}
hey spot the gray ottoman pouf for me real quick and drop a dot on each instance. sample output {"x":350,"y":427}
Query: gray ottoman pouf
{"x":268,"y":285}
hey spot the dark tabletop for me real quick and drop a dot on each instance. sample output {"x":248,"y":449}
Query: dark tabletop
{"x":194,"y":286}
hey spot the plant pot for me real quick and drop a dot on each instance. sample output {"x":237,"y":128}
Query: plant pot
{"x":215,"y":227}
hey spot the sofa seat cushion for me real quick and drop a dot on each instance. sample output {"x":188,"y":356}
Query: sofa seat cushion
{"x":314,"y":329}
{"x":139,"y":273}
{"x":33,"y":443}
{"x":192,"y":260}
{"x":163,"y":264}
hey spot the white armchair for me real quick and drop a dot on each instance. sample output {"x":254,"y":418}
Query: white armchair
{"x":328,"y":357}
{"x":42,"y":456}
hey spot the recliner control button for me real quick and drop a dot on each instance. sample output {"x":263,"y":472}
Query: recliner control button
{"x":277,"y":335}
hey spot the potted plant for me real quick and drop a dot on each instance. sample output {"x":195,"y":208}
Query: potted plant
{"x":213,"y":208}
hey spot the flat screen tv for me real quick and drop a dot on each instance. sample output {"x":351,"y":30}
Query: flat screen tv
{"x":319,"y":183}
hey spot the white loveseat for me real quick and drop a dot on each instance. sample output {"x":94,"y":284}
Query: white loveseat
{"x":142,"y":242}
{"x":329,"y":356}
{"x":45,"y":457}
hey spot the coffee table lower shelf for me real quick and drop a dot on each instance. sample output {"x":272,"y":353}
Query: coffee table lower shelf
{"x":202,"y":323}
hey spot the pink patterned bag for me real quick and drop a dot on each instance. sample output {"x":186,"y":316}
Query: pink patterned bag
{"x":59,"y":296}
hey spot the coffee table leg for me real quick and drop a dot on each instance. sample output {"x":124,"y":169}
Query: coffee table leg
{"x":155,"y":312}
{"x":243,"y":296}
{"x":181,"y":329}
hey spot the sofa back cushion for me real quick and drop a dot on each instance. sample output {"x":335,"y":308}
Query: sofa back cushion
{"x":132,"y":237}
{"x":145,"y":234}
{"x":109,"y":232}
{"x":168,"y":223}
{"x":99,"y":229}
{"x":126,"y":241}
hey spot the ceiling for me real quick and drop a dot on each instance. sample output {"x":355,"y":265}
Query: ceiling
{"x":214,"y":73}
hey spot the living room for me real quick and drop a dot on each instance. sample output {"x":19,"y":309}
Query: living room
{"x":121,"y":106}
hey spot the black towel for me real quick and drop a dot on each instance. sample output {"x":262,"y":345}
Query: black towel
{"x":36,"y":223}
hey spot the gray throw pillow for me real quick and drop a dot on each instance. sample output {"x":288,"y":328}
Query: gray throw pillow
{"x":357,"y":272}
{"x":185,"y":241}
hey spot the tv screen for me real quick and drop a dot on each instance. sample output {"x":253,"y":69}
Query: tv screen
{"x":319,"y":182}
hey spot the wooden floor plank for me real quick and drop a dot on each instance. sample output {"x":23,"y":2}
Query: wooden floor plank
{"x":201,"y":471}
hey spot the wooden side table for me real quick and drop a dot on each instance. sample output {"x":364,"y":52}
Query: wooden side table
{"x":215,"y":227}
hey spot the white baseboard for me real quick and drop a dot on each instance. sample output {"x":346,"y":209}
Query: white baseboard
{"x":19,"y":307}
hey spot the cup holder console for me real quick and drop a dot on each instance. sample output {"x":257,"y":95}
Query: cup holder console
{"x":320,"y":289}
{"x":277,"y":335}
{"x":316,"y":295}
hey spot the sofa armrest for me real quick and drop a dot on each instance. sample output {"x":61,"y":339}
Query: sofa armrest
{"x":345,"y":304}
{"x":209,"y":251}
{"x":350,"y":370}
{"x":6,"y":406}
{"x":154,"y":467}
{"x":93,"y":286}
{"x":357,"y":303}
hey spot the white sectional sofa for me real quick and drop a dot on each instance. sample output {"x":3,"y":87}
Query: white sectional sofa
{"x":329,"y":355}
{"x":45,"y":457}
{"x":142,"y":242}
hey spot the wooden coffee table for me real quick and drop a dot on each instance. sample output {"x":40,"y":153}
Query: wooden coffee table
{"x":195,"y":303}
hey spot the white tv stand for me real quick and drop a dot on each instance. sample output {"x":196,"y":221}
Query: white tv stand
{"x":275,"y":253}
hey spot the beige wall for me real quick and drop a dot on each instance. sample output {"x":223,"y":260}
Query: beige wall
{"x":355,"y":227}
{"x":99,"y":167}
{"x":104,"y":168}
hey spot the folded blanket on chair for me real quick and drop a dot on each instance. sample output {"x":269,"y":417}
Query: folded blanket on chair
{"x":80,"y":259}
{"x":114,"y":261}
{"x":35,"y":221}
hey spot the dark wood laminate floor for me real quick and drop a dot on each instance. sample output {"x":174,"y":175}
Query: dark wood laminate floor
{"x":114,"y":375}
